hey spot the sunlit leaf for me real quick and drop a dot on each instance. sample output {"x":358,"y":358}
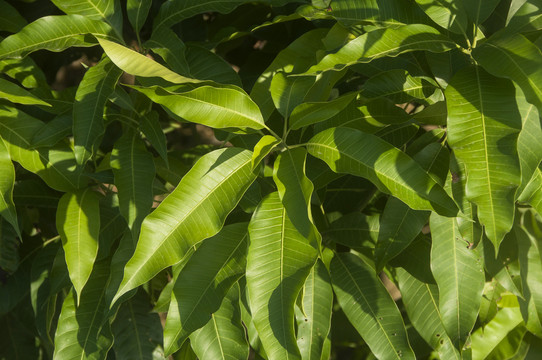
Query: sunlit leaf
{"x":7,"y":181}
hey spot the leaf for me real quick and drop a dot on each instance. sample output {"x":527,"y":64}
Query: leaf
{"x":278,"y":263}
{"x":78,"y":223}
{"x":137,"y":11}
{"x":10,"y":19}
{"x":16,"y":94}
{"x":355,"y":230}
{"x":459,"y":273}
{"x":53,"y":131}
{"x":206,"y":65}
{"x":134,"y":171}
{"x":399,"y":225}
{"x":56,"y":33}
{"x":108,"y":10}
{"x":167,"y":44}
{"x":138,"y":64}
{"x":369,"y":307}
{"x":7,"y":182}
{"x":392,"y":171}
{"x":384,"y":42}
{"x":526,"y":19}
{"x":224,"y":335}
{"x":88,"y":110}
{"x":215,"y":107}
{"x":421,"y":303}
{"x":137,"y":331}
{"x":484,"y":138}
{"x":150,"y":126}
{"x":264,"y":146}
{"x":289,"y":92}
{"x":194,"y":211}
{"x":203,"y":283}
{"x":313,"y":328}
{"x":25,"y":71}
{"x":398,"y":86}
{"x":447,"y":13}
{"x":309,"y":113}
{"x":479,"y":10}
{"x":9,"y":247}
{"x":17,"y":342}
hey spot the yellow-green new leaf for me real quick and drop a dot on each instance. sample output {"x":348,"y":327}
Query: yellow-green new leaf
{"x":483,"y":127}
{"x":279,"y":260}
{"x":194,"y":211}
{"x":7,"y":181}
{"x":391,"y":170}
{"x":16,"y":94}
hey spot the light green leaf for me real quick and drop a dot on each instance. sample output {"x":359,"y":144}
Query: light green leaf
{"x":224,"y":335}
{"x":447,"y":13}
{"x":392,"y":171}
{"x":25,"y":71}
{"x":7,"y":181}
{"x":10,"y":19}
{"x":289,"y":92}
{"x":78,"y":223}
{"x":264,"y":146}
{"x":194,"y":211}
{"x":207,"y":105}
{"x":312,"y":330}
{"x":459,"y":273}
{"x":88,"y":110}
{"x":150,"y":126}
{"x":16,"y":94}
{"x":384,"y":42}
{"x":312,"y":112}
{"x":526,"y":19}
{"x":483,"y":127}
{"x":203,"y":283}
{"x":421,"y":303}
{"x":278,"y":263}
{"x":167,"y":44}
{"x":56,"y":33}
{"x":533,"y":192}
{"x":369,"y":307}
{"x":133,"y":167}
{"x":137,"y":11}
{"x":108,"y":10}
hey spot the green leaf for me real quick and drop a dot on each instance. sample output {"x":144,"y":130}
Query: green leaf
{"x":78,"y":223}
{"x":108,"y":10}
{"x":479,"y":10}
{"x":134,"y":171}
{"x":9,"y":247}
{"x":203,"y":283}
{"x":137,"y":11}
{"x":88,"y":110}
{"x":17,"y":342}
{"x":167,"y":44}
{"x":447,"y":13}
{"x":53,"y":131}
{"x":16,"y":94}
{"x":56,"y":33}
{"x":25,"y":71}
{"x":459,"y":273}
{"x":384,"y":42}
{"x":150,"y":126}
{"x":137,"y":331}
{"x":369,"y":307}
{"x":264,"y":146}
{"x":309,"y":113}
{"x":355,"y":230}
{"x":392,"y":171}
{"x":289,"y":92}
{"x":194,"y":211}
{"x":398,"y":86}
{"x":206,"y":65}
{"x":7,"y":182}
{"x":526,"y":19}
{"x":483,"y":127}
{"x":215,"y":107}
{"x":313,"y":328}
{"x":278,"y":263}
{"x":224,"y":335}
{"x":421,"y":303}
{"x":10,"y":19}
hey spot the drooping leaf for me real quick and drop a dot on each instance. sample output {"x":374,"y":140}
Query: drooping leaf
{"x":7,"y":182}
{"x":369,"y":307}
{"x":134,"y":171}
{"x":485,"y":139}
{"x":16,"y":94}
{"x":56,"y":33}
{"x":312,"y":112}
{"x":203,"y":283}
{"x":150,"y":126}
{"x":88,"y":110}
{"x":392,"y":171}
{"x":459,"y":273}
{"x":108,"y":10}
{"x":278,"y":263}
{"x":447,"y":13}
{"x":78,"y":223}
{"x":384,"y":42}
{"x":194,"y":211}
{"x":137,"y":11}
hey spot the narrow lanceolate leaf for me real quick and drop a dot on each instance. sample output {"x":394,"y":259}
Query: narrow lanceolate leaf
{"x":194,"y":211}
{"x":459,"y":273}
{"x":137,"y":331}
{"x":150,"y":126}
{"x":313,"y":112}
{"x":78,"y":223}
{"x":56,"y":33}
{"x":483,"y":126}
{"x":399,"y":225}
{"x":518,"y":61}
{"x":80,"y":334}
{"x":392,"y":171}
{"x":223,"y":338}
{"x":384,"y":42}
{"x":447,"y":13}
{"x":211,"y":106}
{"x":421,"y":302}
{"x":88,"y":110}
{"x":138,"y":64}
{"x":7,"y":181}
{"x":10,"y":19}
{"x":279,"y":260}
{"x":17,"y":94}
{"x":108,"y":10}
{"x":369,"y":307}
{"x":264,"y":146}
{"x":203,"y":282}
{"x":133,"y":167}
{"x":313,"y":329}
{"x":137,"y":11}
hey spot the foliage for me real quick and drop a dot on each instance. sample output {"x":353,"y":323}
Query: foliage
{"x":273,"y":179}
